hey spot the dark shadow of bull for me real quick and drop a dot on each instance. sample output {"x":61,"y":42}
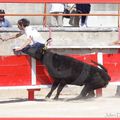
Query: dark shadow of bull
{"x":67,"y":70}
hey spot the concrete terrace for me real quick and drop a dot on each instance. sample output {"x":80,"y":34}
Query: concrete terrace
{"x":67,"y":39}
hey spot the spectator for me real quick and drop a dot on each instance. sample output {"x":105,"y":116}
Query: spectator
{"x":83,"y":9}
{"x":56,"y":8}
{"x":82,"y":20}
{"x":3,"y":21}
{"x":74,"y":20}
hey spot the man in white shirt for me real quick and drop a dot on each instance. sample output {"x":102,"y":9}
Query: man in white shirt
{"x":34,"y":42}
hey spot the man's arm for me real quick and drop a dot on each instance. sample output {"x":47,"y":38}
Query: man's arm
{"x":24,"y":45}
{"x":13,"y":37}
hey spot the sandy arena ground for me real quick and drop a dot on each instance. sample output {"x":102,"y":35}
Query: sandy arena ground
{"x":14,"y":103}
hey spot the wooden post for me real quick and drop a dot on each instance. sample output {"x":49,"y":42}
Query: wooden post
{"x":118,"y":86}
{"x":99,"y":60}
{"x":119,"y":22}
{"x":99,"y":92}
{"x":45,"y":18}
{"x":31,"y":94}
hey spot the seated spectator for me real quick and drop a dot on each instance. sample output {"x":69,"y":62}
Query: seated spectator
{"x":3,"y":21}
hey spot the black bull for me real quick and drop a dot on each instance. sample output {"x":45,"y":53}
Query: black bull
{"x":67,"y":70}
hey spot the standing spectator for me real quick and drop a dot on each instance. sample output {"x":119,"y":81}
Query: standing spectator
{"x":80,"y":20}
{"x":56,"y":8}
{"x":74,"y":20}
{"x":3,"y":21}
{"x":83,"y":9}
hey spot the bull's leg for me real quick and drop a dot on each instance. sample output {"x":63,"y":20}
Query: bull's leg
{"x":60,"y":87}
{"x":54,"y":86}
{"x":91,"y":94}
{"x":85,"y":91}
{"x":83,"y":95}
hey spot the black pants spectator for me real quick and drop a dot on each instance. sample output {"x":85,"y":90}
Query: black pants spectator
{"x":83,"y":9}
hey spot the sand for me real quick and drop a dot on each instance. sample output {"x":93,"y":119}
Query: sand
{"x":14,"y":103}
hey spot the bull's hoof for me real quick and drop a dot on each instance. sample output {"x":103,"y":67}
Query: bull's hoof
{"x":117,"y":95}
{"x":48,"y":95}
{"x":48,"y":99}
{"x":55,"y":98}
{"x":90,"y":96}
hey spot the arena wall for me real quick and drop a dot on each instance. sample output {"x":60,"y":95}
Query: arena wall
{"x":67,"y":40}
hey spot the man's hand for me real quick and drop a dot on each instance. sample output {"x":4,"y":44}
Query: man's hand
{"x":116,"y":42}
{"x":17,"y":49}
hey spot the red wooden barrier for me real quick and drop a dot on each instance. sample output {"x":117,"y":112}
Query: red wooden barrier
{"x":23,"y":72}
{"x":15,"y":71}
{"x":19,"y":72}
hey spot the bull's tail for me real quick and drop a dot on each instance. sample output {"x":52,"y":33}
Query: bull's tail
{"x":99,"y":65}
